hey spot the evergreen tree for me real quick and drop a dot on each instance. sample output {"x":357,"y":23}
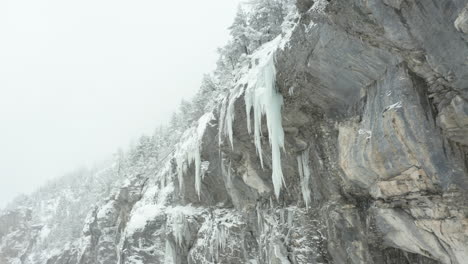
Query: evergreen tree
{"x":239,"y":32}
{"x":266,"y":19}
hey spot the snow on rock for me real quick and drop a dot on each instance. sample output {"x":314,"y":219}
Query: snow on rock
{"x":178,"y":221}
{"x":105,"y":210}
{"x":319,"y":6}
{"x":145,"y":210}
{"x":45,"y":231}
{"x":142,"y":215}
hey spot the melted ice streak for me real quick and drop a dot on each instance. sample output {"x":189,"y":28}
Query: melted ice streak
{"x":304,"y":173}
{"x":260,"y":95}
{"x":188,"y":151}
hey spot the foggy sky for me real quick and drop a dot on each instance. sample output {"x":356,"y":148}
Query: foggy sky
{"x":78,"y":79}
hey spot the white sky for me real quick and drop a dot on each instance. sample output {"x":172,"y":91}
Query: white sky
{"x":80,"y":78}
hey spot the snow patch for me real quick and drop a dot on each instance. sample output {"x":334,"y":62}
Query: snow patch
{"x":365,"y":132}
{"x":106,"y":210}
{"x":145,"y":211}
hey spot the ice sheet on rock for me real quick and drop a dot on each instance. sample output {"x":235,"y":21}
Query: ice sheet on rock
{"x":304,"y":173}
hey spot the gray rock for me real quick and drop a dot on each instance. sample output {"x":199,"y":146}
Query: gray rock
{"x":374,"y":163}
{"x":453,"y":119}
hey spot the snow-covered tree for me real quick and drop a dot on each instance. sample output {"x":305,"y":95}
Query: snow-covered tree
{"x":239,"y":31}
{"x":265,"y":20}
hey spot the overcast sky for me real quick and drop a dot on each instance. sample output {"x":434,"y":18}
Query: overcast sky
{"x":80,"y":78}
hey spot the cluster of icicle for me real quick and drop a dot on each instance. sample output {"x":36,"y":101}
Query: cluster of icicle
{"x":261,"y":99}
{"x":258,"y":86}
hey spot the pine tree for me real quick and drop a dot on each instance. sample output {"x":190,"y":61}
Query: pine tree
{"x":238,"y":31}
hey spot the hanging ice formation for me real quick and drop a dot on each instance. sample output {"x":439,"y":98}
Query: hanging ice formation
{"x":261,"y":96}
{"x":188,"y":151}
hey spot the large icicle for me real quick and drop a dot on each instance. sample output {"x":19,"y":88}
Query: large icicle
{"x":188,"y":151}
{"x":227,"y":114}
{"x":262,"y":97}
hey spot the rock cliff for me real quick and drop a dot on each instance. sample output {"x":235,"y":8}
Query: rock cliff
{"x":343,"y":140}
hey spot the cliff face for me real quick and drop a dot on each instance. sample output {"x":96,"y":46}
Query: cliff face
{"x":373,"y":151}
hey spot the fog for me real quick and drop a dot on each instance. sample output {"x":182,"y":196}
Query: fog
{"x":79,"y":79}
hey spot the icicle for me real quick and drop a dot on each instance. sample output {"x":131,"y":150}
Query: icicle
{"x":260,"y":223}
{"x":218,"y":241}
{"x":304,"y":173}
{"x":168,"y":254}
{"x":188,"y":151}
{"x":290,"y":218}
{"x":229,"y":113}
{"x":222,"y":117}
{"x":197,"y":159}
{"x":180,"y":229}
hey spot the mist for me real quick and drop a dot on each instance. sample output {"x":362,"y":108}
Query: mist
{"x":79,"y":79}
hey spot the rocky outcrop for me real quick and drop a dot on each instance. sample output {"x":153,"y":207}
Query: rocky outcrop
{"x":17,"y":235}
{"x":374,"y":162}
{"x":400,"y":149}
